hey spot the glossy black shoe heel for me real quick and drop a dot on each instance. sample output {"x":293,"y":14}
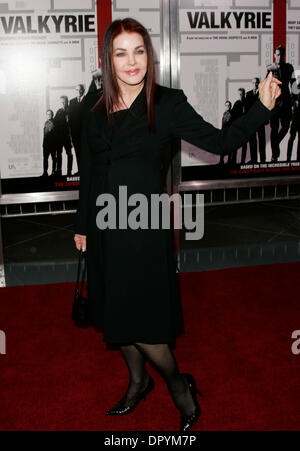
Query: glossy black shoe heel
{"x":122,"y":409}
{"x":186,"y":422}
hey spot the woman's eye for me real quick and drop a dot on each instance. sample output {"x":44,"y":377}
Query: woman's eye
{"x":140,"y":52}
{"x":120,"y":54}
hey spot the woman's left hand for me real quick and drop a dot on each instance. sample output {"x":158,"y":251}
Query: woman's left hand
{"x":269,"y":91}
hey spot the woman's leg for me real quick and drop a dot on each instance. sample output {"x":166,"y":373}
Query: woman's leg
{"x":138,"y":375}
{"x":162,"y":358}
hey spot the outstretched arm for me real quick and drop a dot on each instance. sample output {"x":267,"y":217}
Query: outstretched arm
{"x":187,"y":124}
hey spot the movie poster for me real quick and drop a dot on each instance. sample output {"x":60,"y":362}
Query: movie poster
{"x":226,"y":49}
{"x":48,"y":63}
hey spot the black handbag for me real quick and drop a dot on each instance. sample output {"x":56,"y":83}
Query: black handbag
{"x":80,"y":311}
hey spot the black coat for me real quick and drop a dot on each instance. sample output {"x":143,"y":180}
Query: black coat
{"x":132,"y":281}
{"x":75,"y":118}
{"x":251,"y":98}
{"x":238,"y":109}
{"x":62,"y":130}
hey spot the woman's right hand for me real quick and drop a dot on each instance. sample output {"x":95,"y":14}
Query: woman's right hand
{"x":80,"y":242}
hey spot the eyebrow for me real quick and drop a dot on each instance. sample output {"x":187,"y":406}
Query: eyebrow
{"x":126,"y":49}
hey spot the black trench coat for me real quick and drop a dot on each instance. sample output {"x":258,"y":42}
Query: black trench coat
{"x":132,"y":282}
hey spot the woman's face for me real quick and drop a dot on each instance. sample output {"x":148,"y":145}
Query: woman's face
{"x":129,"y":59}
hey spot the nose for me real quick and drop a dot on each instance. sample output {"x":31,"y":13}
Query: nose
{"x":131,"y":59}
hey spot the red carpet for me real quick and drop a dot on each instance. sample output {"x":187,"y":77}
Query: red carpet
{"x":239,"y":322}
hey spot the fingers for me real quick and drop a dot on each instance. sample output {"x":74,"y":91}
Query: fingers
{"x":269,"y":80}
{"x":276,"y":81}
{"x":269,"y":77}
{"x":80,"y":242}
{"x":275,"y":89}
{"x":272,"y":80}
{"x":277,"y":92}
{"x":269,"y":88}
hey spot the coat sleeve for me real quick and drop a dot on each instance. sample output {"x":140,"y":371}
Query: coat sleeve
{"x":85,"y":178}
{"x":187,"y":124}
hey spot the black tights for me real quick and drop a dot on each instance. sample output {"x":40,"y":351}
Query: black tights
{"x":163,"y":360}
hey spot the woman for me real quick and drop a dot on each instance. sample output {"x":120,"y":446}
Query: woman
{"x":132,"y":282}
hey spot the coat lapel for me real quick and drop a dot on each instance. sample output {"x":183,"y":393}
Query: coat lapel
{"x":117,"y":141}
{"x":134,"y":112}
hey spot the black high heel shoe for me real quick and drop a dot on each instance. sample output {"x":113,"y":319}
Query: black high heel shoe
{"x":122,"y":409}
{"x":186,"y":422}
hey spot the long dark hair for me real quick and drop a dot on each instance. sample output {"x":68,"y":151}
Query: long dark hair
{"x":111,"y":91}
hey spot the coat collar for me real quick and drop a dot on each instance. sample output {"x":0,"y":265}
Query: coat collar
{"x":139,"y":105}
{"x":135,"y":111}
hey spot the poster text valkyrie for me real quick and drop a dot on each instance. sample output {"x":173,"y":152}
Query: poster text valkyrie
{"x":235,"y":19}
{"x":47,"y":24}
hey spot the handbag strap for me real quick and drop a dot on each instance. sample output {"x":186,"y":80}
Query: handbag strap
{"x":78,"y":279}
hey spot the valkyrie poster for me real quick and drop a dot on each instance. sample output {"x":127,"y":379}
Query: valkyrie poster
{"x":48,"y":62}
{"x":226,"y":49}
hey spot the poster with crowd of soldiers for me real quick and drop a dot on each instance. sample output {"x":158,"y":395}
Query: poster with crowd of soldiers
{"x":48,"y":63}
{"x":226,"y":49}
